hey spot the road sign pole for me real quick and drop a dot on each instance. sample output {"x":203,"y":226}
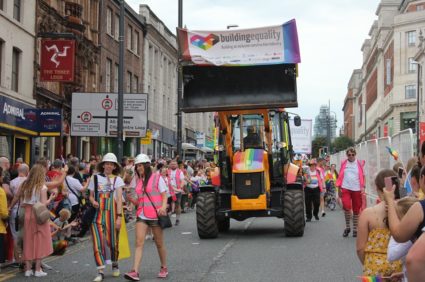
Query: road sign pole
{"x":121,"y":84}
{"x":180,"y":91}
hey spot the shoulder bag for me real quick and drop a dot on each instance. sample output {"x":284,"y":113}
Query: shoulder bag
{"x":164,"y":221}
{"x":90,"y":211}
{"x":42,"y":214}
{"x":73,"y":192}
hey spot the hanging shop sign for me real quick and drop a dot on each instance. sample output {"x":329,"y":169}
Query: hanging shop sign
{"x":57,"y":62}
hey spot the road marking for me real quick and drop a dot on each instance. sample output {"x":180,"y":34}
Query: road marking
{"x":186,"y":233}
{"x":195,"y":243}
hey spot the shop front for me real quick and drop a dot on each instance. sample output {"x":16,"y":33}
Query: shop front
{"x":160,"y":142}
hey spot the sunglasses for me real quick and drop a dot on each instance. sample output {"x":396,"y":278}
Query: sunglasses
{"x":351,"y":155}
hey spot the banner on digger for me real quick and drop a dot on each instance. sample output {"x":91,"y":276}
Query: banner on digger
{"x":258,"y":46}
{"x":301,"y":136}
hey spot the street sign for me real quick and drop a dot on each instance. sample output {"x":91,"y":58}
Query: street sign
{"x":301,"y":136}
{"x":96,"y":114}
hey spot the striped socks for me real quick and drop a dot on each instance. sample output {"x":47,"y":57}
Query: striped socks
{"x":347,"y":215}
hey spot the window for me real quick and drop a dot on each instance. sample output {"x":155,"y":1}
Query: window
{"x":15,"y":69}
{"x":109,"y":21}
{"x":388,"y":72}
{"x":108,"y":75}
{"x":17,"y":10}
{"x":411,"y":65}
{"x":130,"y":38}
{"x":411,"y":38}
{"x":136,"y":84}
{"x":419,"y":7}
{"x":128,"y":88}
{"x":1,"y":4}
{"x":136,"y":42}
{"x":117,"y":27}
{"x":116,"y":73}
{"x":408,"y":120}
{"x":410,"y":92}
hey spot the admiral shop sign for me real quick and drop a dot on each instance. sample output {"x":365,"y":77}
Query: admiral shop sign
{"x":21,"y":117}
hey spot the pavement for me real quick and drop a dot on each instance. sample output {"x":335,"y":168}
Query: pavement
{"x":253,"y":250}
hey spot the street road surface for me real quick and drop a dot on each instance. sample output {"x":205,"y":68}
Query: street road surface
{"x":253,"y":250}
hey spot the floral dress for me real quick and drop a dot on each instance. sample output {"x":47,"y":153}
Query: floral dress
{"x":376,"y":262}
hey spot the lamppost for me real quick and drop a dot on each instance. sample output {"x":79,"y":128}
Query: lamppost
{"x":179,"y":89}
{"x":121,"y":83}
{"x":418,"y":124}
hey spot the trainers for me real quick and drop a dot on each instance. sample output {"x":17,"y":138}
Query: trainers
{"x":323,"y":214}
{"x":316,"y":217}
{"x":132,"y":275}
{"x":177,"y":222}
{"x":40,"y":273}
{"x":115,"y":271}
{"x":99,"y":277}
{"x":308,"y":220}
{"x":148,"y":237}
{"x":29,"y":273}
{"x":163,"y":273}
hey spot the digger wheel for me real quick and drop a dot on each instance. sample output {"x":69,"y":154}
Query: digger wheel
{"x":293,"y":213}
{"x":223,"y":225}
{"x":205,"y":216}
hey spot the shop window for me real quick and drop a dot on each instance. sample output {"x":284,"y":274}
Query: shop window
{"x":410,"y":91}
{"x":408,"y":120}
{"x":15,"y":69}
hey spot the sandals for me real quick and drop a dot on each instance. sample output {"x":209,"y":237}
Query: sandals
{"x":346,"y":232}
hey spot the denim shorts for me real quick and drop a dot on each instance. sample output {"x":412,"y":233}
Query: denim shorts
{"x":150,"y":223}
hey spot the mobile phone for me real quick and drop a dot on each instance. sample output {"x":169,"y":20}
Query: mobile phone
{"x":400,"y":172}
{"x":390,"y":181}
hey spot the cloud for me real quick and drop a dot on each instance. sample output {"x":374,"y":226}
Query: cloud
{"x":330,"y":32}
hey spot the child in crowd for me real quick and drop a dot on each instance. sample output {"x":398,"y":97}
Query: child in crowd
{"x":64,"y":231}
{"x":374,"y":235}
{"x":397,"y":251}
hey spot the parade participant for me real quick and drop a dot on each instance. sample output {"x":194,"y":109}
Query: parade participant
{"x":37,"y":238}
{"x":351,"y":181}
{"x":4,"y":214}
{"x":151,"y":201}
{"x":312,"y":190}
{"x":321,"y":168}
{"x":107,"y":220}
{"x":374,"y":235}
{"x":176,"y":180}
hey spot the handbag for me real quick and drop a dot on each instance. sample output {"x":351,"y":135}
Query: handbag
{"x":90,"y":211}
{"x":164,"y":221}
{"x":42,"y":214}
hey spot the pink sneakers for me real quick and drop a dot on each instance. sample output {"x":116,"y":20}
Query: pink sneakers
{"x":163,"y":273}
{"x":132,"y":275}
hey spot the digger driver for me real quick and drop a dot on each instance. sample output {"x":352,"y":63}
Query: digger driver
{"x":253,"y":139}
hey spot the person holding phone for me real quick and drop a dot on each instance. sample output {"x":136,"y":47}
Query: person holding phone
{"x":410,"y":227}
{"x":374,"y":234}
{"x":351,"y":181}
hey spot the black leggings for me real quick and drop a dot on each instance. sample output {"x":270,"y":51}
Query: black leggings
{"x":312,"y":200}
{"x":2,"y":249}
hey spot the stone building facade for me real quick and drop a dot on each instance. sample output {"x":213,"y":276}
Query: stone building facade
{"x":17,"y":39}
{"x":384,"y":94}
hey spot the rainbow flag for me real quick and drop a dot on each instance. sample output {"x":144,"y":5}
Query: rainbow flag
{"x":393,"y":153}
{"x":250,"y":159}
{"x":372,"y":278}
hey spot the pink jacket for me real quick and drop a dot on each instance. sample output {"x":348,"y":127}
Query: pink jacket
{"x":341,"y":173}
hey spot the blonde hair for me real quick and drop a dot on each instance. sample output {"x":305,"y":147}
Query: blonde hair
{"x":34,"y":182}
{"x":403,"y":205}
{"x":65,"y":213}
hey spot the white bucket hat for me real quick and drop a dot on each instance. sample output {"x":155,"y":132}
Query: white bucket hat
{"x":142,"y":159}
{"x":110,"y":157}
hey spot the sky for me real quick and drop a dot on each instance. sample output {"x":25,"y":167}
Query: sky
{"x":330,"y":33}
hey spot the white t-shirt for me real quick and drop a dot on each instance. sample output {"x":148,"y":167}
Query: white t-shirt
{"x":174,"y":182}
{"x":162,"y":187}
{"x":105,"y":184}
{"x":75,"y":186}
{"x":35,"y":197}
{"x":14,"y":188}
{"x":351,"y":179}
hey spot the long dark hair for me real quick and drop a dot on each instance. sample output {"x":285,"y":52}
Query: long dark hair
{"x":147,"y":173}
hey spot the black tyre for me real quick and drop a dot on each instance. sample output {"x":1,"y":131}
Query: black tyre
{"x":293,"y":213}
{"x":205,"y":216}
{"x":223,"y":225}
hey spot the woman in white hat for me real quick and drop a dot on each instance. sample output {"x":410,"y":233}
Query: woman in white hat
{"x":107,"y":221}
{"x":151,"y":201}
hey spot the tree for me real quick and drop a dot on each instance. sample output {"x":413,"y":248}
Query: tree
{"x":317,"y":143}
{"x":341,"y":143}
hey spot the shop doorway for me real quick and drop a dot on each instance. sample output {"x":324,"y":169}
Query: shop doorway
{"x":21,"y":149}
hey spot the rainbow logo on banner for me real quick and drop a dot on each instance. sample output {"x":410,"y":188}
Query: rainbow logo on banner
{"x":372,"y":278}
{"x":204,"y":43}
{"x":249,"y":160}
